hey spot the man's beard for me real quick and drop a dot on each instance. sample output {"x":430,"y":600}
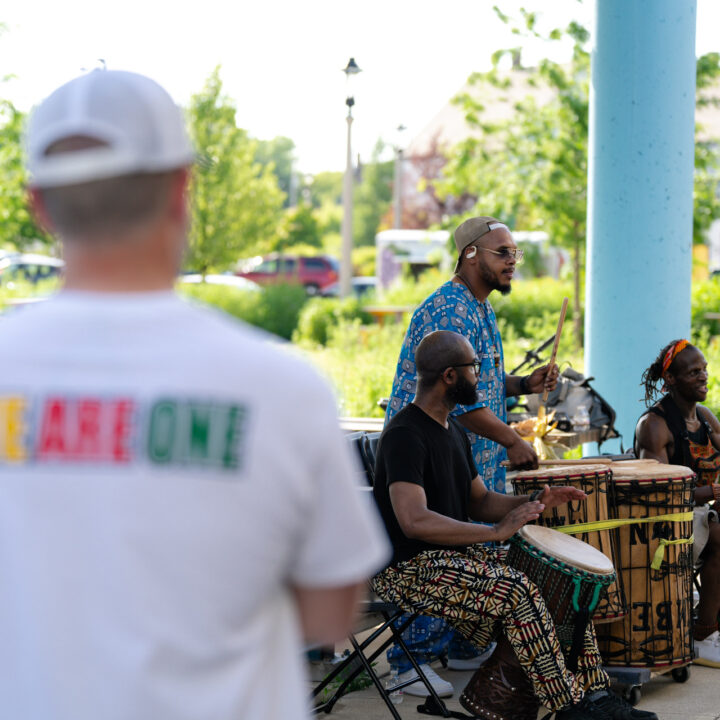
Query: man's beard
{"x":492,"y":280}
{"x":463,"y":392}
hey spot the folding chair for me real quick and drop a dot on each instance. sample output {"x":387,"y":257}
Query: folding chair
{"x":376,"y":614}
{"x":372,"y":610}
{"x":359,"y":440}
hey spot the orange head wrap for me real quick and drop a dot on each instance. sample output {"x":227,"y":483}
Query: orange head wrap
{"x":673,"y":352}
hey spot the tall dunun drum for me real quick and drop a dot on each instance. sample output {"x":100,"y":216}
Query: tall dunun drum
{"x":593,"y":481}
{"x":656,"y":633}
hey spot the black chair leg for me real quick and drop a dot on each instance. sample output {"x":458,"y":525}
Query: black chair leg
{"x":397,"y":636}
{"x":358,"y":652}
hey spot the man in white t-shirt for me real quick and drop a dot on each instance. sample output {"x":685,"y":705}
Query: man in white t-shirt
{"x":177,"y":511}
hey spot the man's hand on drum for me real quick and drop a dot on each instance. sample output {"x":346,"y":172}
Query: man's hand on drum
{"x":553,"y":496}
{"x":517,"y":517}
{"x":542,"y":378}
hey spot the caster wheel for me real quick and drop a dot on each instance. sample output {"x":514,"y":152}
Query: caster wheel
{"x":681,"y":674}
{"x":633,"y":695}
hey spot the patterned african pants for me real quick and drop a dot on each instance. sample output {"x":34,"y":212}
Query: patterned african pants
{"x":482,"y":597}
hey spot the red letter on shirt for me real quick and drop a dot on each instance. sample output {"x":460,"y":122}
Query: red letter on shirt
{"x":53,"y":429}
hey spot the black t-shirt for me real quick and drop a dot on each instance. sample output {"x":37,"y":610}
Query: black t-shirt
{"x":415,"y":448}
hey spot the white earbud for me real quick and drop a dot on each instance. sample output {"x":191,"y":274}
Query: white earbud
{"x":472,"y":252}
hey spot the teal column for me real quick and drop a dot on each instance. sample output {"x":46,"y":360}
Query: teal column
{"x":640,"y":185}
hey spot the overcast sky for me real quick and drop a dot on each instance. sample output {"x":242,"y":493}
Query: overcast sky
{"x":282,"y":60}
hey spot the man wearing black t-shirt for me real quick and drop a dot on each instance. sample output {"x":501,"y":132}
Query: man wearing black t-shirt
{"x":428,"y":490}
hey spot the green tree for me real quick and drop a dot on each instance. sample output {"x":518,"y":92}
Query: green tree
{"x":18,"y":229}
{"x":326,"y":187}
{"x":278,"y":154}
{"x":530,"y":167}
{"x":236,"y":202}
{"x":303,"y":227}
{"x":372,"y":197}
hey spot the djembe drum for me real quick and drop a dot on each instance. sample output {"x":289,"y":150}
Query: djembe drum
{"x":571,"y":576}
{"x":593,"y":481}
{"x":656,"y":563}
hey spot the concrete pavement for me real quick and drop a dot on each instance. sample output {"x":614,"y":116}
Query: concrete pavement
{"x":696,"y":699}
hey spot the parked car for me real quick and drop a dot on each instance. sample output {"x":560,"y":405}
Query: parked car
{"x":315,"y":273}
{"x":28,"y":267}
{"x":240,"y":283}
{"x":362,"y":286}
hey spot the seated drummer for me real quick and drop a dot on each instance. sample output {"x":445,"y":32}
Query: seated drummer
{"x":679,"y":431}
{"x":427,"y":488}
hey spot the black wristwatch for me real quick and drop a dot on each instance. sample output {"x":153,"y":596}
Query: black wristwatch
{"x":524,"y":389}
{"x":535,"y":494}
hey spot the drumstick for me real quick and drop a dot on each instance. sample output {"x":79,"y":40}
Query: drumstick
{"x":553,"y":355}
{"x":568,"y":461}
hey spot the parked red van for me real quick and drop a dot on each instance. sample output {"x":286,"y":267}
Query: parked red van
{"x":315,"y":273}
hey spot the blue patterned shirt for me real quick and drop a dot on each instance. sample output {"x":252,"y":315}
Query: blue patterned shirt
{"x":453,"y":307}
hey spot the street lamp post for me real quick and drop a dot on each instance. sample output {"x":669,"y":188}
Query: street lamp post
{"x":397,"y":189}
{"x":347,"y":240}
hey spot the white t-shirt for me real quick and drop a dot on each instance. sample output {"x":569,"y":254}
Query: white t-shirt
{"x":165,"y":475}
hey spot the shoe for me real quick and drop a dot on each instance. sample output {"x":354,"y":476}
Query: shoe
{"x":616,"y":708}
{"x":707,"y":651}
{"x":584,"y":710}
{"x":442,"y":687}
{"x":472,"y":663}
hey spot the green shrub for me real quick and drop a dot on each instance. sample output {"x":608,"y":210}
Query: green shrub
{"x":408,"y":291}
{"x":363,"y":260}
{"x":276,"y":308}
{"x":320,"y":315}
{"x":705,"y":299}
{"x":360,"y":362}
{"x":19,"y":290}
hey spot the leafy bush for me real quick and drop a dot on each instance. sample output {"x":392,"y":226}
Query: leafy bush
{"x":19,"y":290}
{"x":363,"y":260}
{"x":276,"y":308}
{"x":320,"y":315}
{"x":705,"y":299}
{"x":360,"y":361}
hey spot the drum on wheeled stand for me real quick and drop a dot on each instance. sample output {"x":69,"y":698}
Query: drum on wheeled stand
{"x":656,"y":563}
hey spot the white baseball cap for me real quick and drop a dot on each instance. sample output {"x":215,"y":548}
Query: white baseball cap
{"x":141,"y":127}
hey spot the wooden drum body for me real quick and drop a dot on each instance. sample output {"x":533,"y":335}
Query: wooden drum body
{"x":656,"y":633}
{"x":593,"y":481}
{"x":570,"y":574}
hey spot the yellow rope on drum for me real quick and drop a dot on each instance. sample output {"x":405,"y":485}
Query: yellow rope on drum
{"x":597,"y":525}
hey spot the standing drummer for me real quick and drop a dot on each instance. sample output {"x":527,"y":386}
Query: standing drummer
{"x":487,"y":256}
{"x":427,"y":488}
{"x":679,"y":431}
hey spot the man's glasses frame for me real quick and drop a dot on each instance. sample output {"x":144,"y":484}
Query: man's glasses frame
{"x":475,"y":364}
{"x":505,"y":253}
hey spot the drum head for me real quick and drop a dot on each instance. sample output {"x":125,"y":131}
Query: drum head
{"x":561,"y":471}
{"x":649,"y":471}
{"x":567,"y":549}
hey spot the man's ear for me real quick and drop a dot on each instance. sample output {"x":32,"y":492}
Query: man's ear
{"x":178,"y":202}
{"x":448,"y":376}
{"x":471,"y":252}
{"x":39,"y":210}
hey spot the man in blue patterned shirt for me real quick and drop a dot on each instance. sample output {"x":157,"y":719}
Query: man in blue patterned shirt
{"x":487,"y":256}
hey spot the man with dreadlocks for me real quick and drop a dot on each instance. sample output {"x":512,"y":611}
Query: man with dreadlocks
{"x":679,"y":431}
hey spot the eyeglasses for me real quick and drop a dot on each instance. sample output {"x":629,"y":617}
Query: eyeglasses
{"x":506,"y":252}
{"x":475,"y":364}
